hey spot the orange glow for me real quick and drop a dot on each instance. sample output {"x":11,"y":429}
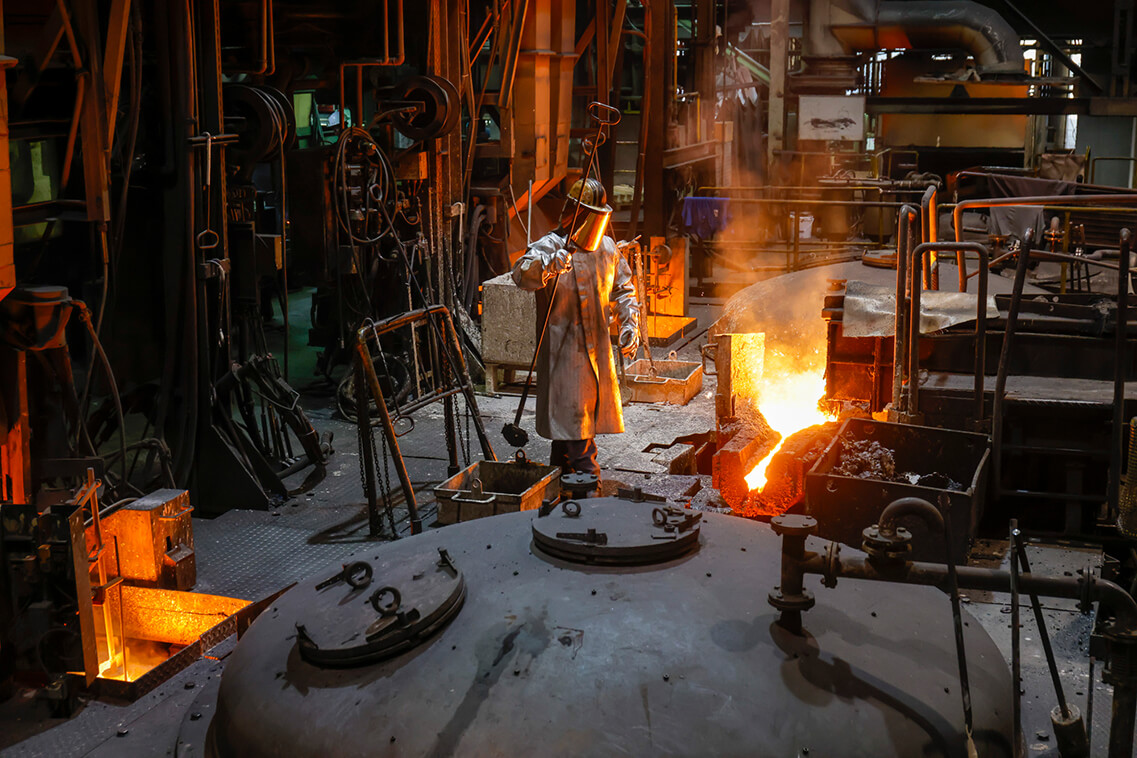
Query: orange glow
{"x":789,"y":391}
{"x":156,"y":623}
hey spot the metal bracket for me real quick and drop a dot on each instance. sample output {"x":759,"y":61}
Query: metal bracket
{"x":637,"y":495}
{"x":475,"y":494}
{"x":591,"y":537}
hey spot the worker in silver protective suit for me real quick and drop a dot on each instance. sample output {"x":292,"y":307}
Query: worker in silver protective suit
{"x":578,"y":396}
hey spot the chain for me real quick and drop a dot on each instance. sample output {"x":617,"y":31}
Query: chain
{"x":448,"y":412}
{"x":466,"y":435}
{"x":361,"y":436}
{"x":384,"y":485}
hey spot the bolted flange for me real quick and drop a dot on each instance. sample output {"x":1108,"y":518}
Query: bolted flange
{"x":783,"y":602}
{"x":885,"y":544}
{"x":793,"y":525}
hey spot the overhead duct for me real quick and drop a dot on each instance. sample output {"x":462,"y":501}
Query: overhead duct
{"x":841,"y":27}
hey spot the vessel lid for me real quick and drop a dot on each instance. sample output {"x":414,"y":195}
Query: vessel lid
{"x":617,"y":531}
{"x":376,"y":609}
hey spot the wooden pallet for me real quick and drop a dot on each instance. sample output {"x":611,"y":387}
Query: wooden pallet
{"x":506,"y":379}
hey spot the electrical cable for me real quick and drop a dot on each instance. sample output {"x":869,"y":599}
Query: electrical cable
{"x":85,"y":316}
{"x":384,"y":182}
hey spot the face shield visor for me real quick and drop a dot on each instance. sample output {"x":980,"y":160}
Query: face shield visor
{"x":591,"y":226}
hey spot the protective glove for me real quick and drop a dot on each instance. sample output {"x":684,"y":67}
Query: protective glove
{"x":560,"y":263}
{"x":629,"y":342}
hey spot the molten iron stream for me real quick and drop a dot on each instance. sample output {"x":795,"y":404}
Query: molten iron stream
{"x":789,"y":404}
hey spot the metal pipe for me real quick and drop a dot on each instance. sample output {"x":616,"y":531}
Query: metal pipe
{"x":1119,"y":374}
{"x":1084,"y":588}
{"x":980,"y":322}
{"x":881,"y":188}
{"x":806,"y":202}
{"x":641,"y":159}
{"x":1005,"y":356}
{"x":928,"y":211}
{"x":909,"y":506}
{"x":791,"y":598}
{"x":266,"y":43}
{"x":1045,"y":200}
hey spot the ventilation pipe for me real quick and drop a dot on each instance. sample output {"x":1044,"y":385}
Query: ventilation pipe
{"x":843,"y":27}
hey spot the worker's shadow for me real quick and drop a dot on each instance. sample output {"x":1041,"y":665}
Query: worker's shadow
{"x":353,"y":529}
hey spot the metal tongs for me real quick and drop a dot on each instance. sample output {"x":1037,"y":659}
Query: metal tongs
{"x":641,"y":285}
{"x":602,"y":115}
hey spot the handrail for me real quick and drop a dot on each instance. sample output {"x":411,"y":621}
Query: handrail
{"x":914,"y":322}
{"x":1096,"y":158}
{"x":930,"y":232}
{"x":1119,"y":371}
{"x":904,"y":246}
{"x":1044,"y":200}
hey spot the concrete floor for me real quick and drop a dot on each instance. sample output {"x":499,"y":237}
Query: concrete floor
{"x":251,"y":554}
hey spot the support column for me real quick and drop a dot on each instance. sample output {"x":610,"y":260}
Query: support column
{"x":779,"y":49}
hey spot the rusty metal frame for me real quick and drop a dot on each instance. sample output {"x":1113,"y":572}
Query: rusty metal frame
{"x":438,"y":319}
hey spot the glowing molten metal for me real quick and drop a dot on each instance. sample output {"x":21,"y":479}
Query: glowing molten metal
{"x":789,"y":392}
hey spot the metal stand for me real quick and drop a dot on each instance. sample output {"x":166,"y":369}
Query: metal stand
{"x":450,"y":353}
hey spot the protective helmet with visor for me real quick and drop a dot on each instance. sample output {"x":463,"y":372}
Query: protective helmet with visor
{"x":591,"y":220}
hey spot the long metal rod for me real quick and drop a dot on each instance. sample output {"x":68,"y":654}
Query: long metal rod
{"x":998,"y":401}
{"x":1090,"y":707}
{"x":389,"y":433}
{"x":1119,"y":371}
{"x":957,"y":616}
{"x":1016,"y":646}
{"x":808,"y":202}
{"x":903,"y":252}
{"x":557,"y":277}
{"x":1018,"y":554}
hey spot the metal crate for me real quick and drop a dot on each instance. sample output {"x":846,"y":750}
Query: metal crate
{"x":675,"y":382}
{"x":488,"y":488}
{"x":845,"y":505}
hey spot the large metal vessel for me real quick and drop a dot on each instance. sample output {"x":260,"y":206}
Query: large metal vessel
{"x":650,"y":634}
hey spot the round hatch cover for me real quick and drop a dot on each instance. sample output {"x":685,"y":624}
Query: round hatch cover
{"x":375,"y":609}
{"x":609,"y":530}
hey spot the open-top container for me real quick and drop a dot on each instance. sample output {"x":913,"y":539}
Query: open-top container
{"x":943,"y":462}
{"x":675,"y":381}
{"x":487,"y":488}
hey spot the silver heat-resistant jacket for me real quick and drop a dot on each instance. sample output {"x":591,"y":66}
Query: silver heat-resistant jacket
{"x":578,"y":396}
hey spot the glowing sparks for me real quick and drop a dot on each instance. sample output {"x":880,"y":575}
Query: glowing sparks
{"x":790,"y":389}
